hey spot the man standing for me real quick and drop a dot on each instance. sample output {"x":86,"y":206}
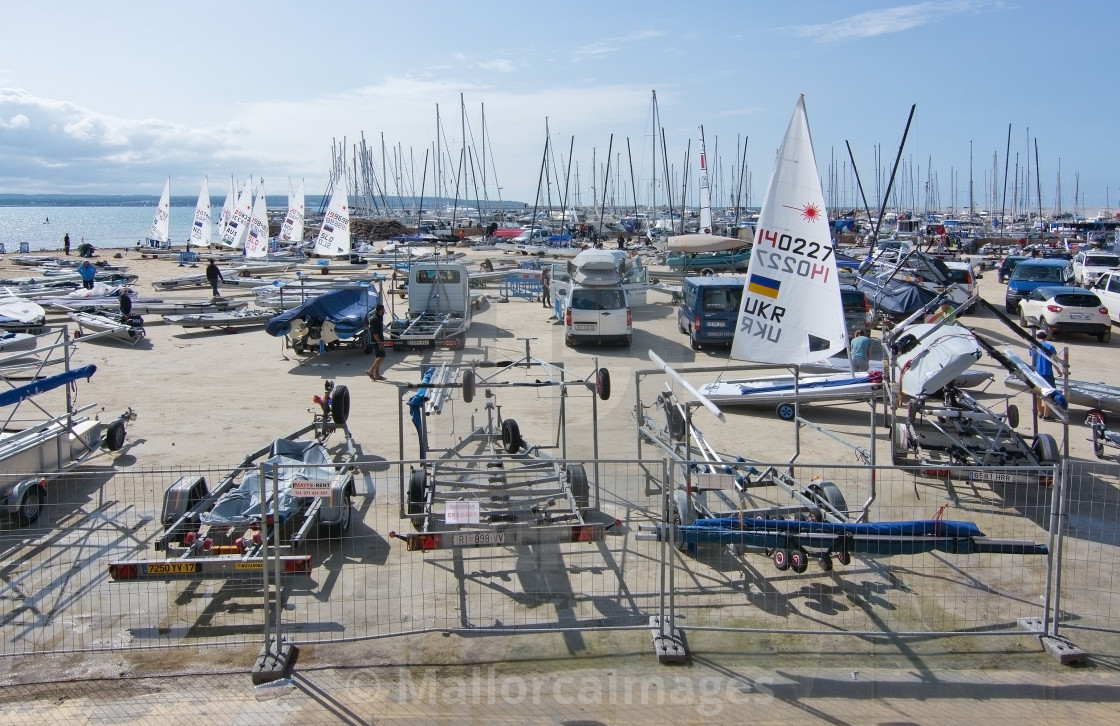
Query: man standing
{"x":88,"y":273}
{"x":66,"y":243}
{"x":213,"y":276}
{"x":377,"y":335}
{"x":1042,"y":356}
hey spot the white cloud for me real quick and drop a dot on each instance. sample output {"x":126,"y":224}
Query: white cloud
{"x":499,"y":65}
{"x":886,"y":20}
{"x":19,"y":121}
{"x":606,"y":46}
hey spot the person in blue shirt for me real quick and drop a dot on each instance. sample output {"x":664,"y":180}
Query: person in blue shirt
{"x":88,"y":273}
{"x":861,"y":349}
{"x":1044,"y":367}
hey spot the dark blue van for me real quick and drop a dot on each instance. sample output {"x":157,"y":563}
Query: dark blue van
{"x":709,"y":309}
{"x":1033,"y":273}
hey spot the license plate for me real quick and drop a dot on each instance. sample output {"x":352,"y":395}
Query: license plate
{"x":419,"y":343}
{"x":717,"y":324}
{"x":1078,"y":316}
{"x":996,"y":476}
{"x":171,"y":568}
{"x":468,"y":539}
{"x":584,"y":327}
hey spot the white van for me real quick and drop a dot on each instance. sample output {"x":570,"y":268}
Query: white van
{"x":597,"y":313}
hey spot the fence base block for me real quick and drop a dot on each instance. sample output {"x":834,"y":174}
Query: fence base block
{"x":668,"y":643}
{"x":1063,"y":650}
{"x":274,"y":663}
{"x":1031,"y":625}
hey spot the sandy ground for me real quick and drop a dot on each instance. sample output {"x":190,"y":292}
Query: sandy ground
{"x":206,"y":398}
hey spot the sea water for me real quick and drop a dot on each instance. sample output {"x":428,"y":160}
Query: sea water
{"x":42,"y":228}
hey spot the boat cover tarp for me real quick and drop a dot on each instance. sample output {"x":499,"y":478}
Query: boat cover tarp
{"x":908,"y":528}
{"x":897,"y":298}
{"x":27,"y":390}
{"x":348,"y":308}
{"x":872,"y":377}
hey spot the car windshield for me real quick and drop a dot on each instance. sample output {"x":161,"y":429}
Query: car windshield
{"x":1077,"y":300}
{"x":1103,"y":261}
{"x":592,"y":299}
{"x":1037,"y":273}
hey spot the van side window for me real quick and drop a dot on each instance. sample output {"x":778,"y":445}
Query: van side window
{"x":720,"y":300}
{"x":1114,"y":283}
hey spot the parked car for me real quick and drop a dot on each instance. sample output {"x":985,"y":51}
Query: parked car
{"x":709,"y":309}
{"x":1088,"y":265}
{"x":1008,"y":266}
{"x":596,"y":314}
{"x":1066,"y":310}
{"x":1107,"y":288}
{"x":964,"y":277}
{"x":1033,"y":273}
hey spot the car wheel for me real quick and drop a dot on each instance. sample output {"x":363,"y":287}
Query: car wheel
{"x":1105,"y":336}
{"x":1044,"y":327}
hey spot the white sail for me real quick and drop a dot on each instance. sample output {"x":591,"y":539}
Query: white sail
{"x":791,"y":311}
{"x":334,"y":235}
{"x":292,"y":229}
{"x":227,"y":208}
{"x":256,"y":240}
{"x":237,"y":226}
{"x":202,"y":230}
{"x":705,"y":190}
{"x":161,"y":222}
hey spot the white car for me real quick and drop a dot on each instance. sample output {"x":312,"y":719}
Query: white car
{"x":1107,"y":289}
{"x":1091,"y":264}
{"x":1062,"y":310}
{"x":964,"y":278}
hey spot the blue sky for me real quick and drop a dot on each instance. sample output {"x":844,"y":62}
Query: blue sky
{"x":114,"y":97}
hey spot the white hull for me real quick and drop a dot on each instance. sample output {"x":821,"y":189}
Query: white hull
{"x":13,"y":342}
{"x":771,"y":390}
{"x":236,"y":319}
{"x":106,"y":328}
{"x":937,"y":359}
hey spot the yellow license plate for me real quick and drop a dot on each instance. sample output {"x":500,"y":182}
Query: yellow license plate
{"x":171,"y":568}
{"x":248,"y":566}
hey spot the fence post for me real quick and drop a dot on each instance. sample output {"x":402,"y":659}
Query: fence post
{"x":277,"y":656}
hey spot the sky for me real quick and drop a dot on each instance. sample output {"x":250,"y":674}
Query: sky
{"x":115,"y":97}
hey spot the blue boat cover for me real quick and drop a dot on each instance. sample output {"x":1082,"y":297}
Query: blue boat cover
{"x":348,"y":308}
{"x":27,"y":390}
{"x":897,"y":298}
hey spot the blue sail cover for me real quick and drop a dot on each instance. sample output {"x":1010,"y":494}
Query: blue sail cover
{"x":27,"y":390}
{"x":897,"y":298}
{"x":347,"y":308}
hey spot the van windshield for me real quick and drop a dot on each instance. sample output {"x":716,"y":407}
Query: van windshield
{"x":722,"y":299}
{"x":1037,"y":273}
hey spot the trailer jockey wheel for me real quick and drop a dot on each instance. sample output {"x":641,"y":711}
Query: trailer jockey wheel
{"x":798,"y":560}
{"x":826,"y":562}
{"x":781,"y":559}
{"x":468,"y":386}
{"x":416,"y":498}
{"x":340,"y":404}
{"x":844,"y":557}
{"x":511,"y":436}
{"x":603,"y":383}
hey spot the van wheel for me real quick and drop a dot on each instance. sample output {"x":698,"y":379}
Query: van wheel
{"x":693,"y":342}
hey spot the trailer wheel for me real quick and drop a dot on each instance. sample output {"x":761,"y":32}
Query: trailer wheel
{"x":340,"y":404}
{"x":1096,"y":416}
{"x":511,"y":436}
{"x":416,"y":498}
{"x":798,"y":560}
{"x":1046,"y":448}
{"x":781,"y":559}
{"x":707,"y":272}
{"x":786,"y":411}
{"x":1098,"y":443}
{"x":825,"y":561}
{"x":603,"y":384}
{"x":844,"y":557}
{"x":581,"y":488}
{"x":1013,"y":415}
{"x":114,"y":435}
{"x":30,"y":505}
{"x":827,"y":492}
{"x":468,"y":386}
{"x":685,"y":514}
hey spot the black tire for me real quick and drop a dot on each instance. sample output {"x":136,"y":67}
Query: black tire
{"x":692,"y":341}
{"x":1104,"y":337}
{"x":299,"y":347}
{"x":114,"y":435}
{"x":1098,"y":445}
{"x":786,"y":411}
{"x":831,"y":494}
{"x":781,"y":559}
{"x":900,"y":443}
{"x":468,"y":386}
{"x":1046,"y":448}
{"x":1013,"y":415}
{"x":629,"y":339}
{"x":340,"y":404}
{"x":416,"y":481}
{"x":707,"y":272}
{"x":568,"y":341}
{"x":30,"y":505}
{"x":844,"y":557}
{"x":825,"y":561}
{"x":1044,"y":327}
{"x":675,"y":422}
{"x":511,"y":436}
{"x":603,"y":384}
{"x":581,"y":488}
{"x":798,"y":560}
